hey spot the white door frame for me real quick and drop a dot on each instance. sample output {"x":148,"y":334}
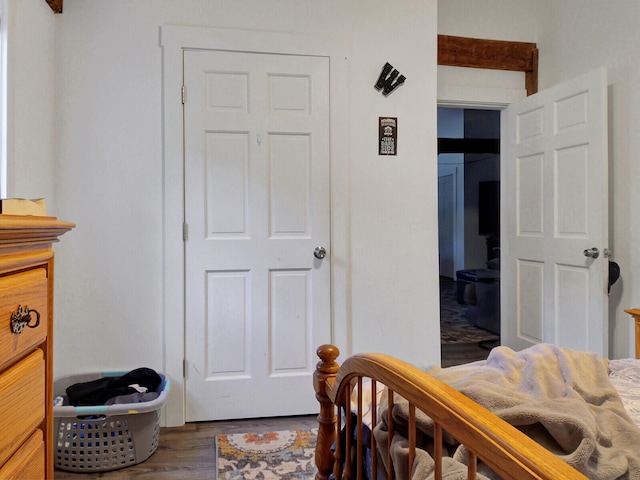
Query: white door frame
{"x":173,"y":40}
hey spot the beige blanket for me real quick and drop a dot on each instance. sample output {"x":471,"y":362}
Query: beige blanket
{"x":561,"y":398}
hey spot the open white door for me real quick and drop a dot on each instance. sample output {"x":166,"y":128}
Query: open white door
{"x":554,"y":211}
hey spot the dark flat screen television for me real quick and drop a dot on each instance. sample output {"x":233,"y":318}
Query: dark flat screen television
{"x":489,"y":207}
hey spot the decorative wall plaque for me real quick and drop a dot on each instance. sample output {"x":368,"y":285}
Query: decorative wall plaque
{"x":388,"y":135}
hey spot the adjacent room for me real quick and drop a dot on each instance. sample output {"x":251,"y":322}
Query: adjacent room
{"x":469,"y":232}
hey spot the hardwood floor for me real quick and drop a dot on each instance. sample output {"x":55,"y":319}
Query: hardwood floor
{"x":188,"y":452}
{"x":459,"y":353}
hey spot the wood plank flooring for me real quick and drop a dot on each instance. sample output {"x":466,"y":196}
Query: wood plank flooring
{"x":459,"y":353}
{"x":188,"y":452}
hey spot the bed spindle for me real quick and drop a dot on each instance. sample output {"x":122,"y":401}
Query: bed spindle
{"x":347,"y":442}
{"x":359,"y":432}
{"x":390,"y":468}
{"x":472,"y":465}
{"x":412,"y":436}
{"x":437,"y":450}
{"x":337,"y":456}
{"x":374,"y":422}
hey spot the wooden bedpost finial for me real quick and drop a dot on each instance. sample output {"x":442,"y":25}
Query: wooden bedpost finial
{"x":327,"y":354}
{"x":326,"y":370}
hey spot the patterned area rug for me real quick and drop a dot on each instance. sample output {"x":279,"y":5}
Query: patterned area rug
{"x":283,"y":455}
{"x":454,"y":320}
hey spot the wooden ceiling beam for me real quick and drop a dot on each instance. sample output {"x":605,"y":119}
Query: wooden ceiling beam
{"x":56,"y":5}
{"x":491,"y":54}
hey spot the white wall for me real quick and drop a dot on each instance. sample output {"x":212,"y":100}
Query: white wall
{"x":30,"y":97}
{"x":110,"y":166}
{"x":575,"y":37}
{"x":515,"y":20}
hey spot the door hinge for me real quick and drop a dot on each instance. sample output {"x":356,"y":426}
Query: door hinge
{"x":185,"y":232}
{"x":184,"y":94}
{"x":184,"y":368}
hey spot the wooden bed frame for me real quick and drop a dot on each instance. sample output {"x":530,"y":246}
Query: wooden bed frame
{"x":506,"y":450}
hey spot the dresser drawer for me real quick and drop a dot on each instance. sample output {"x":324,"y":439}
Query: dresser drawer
{"x":28,"y":289}
{"x":28,"y":461}
{"x":22,"y":401}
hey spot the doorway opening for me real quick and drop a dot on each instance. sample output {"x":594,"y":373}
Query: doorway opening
{"x":469,"y":232}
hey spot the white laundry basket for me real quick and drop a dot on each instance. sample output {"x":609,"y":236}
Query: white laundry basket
{"x":105,"y":437}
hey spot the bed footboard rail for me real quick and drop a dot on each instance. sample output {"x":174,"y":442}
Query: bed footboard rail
{"x":506,"y":450}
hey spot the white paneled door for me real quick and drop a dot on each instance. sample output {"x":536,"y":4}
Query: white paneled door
{"x":256,"y":209}
{"x":555,"y":217}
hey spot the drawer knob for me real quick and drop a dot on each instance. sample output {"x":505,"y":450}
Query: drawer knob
{"x":21,"y":319}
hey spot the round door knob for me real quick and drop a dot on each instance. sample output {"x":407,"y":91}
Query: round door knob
{"x":591,"y":252}
{"x":320,"y":252}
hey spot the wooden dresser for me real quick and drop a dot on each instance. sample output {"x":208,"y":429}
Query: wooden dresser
{"x":26,"y":345}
